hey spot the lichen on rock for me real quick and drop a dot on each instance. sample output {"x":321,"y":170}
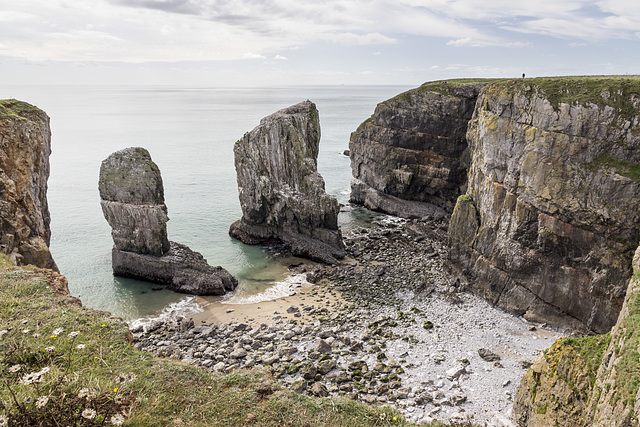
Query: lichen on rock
{"x":281,"y":193}
{"x":132,"y":200}
{"x":552,"y":182}
{"x":410,"y":157}
{"x":25,"y":145}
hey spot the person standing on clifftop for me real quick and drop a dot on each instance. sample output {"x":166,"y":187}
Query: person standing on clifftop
{"x":523,"y":75}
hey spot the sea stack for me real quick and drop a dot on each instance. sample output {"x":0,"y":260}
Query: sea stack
{"x":281,"y":193}
{"x":25,"y":144}
{"x":132,"y":200}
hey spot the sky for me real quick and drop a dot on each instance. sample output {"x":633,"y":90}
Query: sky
{"x":301,"y":42}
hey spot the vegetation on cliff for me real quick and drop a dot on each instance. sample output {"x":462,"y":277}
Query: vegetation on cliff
{"x":12,"y":108}
{"x":63,"y":364}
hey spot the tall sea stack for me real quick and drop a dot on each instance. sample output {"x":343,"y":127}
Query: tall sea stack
{"x":132,"y":200}
{"x":281,"y":192}
{"x":25,"y":146}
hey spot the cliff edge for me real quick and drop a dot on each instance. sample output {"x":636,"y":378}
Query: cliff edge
{"x":25,"y":147}
{"x":410,"y":158}
{"x":550,"y":221}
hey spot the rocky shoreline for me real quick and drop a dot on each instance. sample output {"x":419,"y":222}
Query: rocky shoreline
{"x":386,"y":327}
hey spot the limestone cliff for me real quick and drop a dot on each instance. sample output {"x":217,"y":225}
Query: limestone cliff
{"x":281,"y":192}
{"x":411,"y":154}
{"x":25,"y":146}
{"x":592,"y":381}
{"x":132,"y":200}
{"x":550,"y":220}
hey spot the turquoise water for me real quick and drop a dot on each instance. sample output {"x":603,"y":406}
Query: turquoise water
{"x":190,"y":134}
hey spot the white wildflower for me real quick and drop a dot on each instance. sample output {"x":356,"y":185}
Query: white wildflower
{"x":36,"y":335}
{"x":2,"y":332}
{"x":42,"y":401}
{"x":15,"y":368}
{"x":44,"y":370}
{"x":50,"y":348}
{"x":25,"y":331}
{"x":57,"y":332}
{"x":86,"y":392}
{"x":73,"y":334}
{"x":80,"y":346}
{"x":4,"y":421}
{"x":117,"y":420}
{"x":89,"y":413}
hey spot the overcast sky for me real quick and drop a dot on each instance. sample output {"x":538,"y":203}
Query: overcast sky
{"x":283,"y":42}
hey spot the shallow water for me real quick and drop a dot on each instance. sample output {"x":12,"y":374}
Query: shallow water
{"x":190,"y":134}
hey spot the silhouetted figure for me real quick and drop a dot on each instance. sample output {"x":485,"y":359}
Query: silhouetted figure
{"x":523,"y":75}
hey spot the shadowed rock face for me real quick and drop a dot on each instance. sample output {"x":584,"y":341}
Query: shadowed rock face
{"x":551,"y":219}
{"x":25,"y":146}
{"x":410,"y":157}
{"x":133,"y":203}
{"x":281,"y":192}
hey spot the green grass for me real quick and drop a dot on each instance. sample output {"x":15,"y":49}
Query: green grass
{"x":11,"y":108}
{"x":628,"y":169}
{"x":98,"y":370}
{"x":590,"y":350}
{"x":443,"y":87}
{"x":584,"y":90}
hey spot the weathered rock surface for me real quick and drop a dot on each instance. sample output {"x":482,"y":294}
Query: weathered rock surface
{"x":281,"y":192}
{"x":25,"y":146}
{"x":132,"y":200}
{"x":411,"y":154}
{"x":551,"y":218}
{"x":591,"y":381}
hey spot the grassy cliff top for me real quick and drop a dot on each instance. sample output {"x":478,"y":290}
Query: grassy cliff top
{"x":443,"y":87}
{"x":69,"y":364}
{"x":614,"y":91}
{"x":12,"y":108}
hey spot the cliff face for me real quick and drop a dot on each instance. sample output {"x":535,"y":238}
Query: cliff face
{"x":132,"y":200}
{"x":550,"y":220}
{"x":411,"y":154}
{"x":591,"y":381}
{"x":281,"y":192}
{"x":25,"y":146}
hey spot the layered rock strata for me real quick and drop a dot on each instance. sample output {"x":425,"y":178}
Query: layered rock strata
{"x":281,"y":192}
{"x":25,"y":146}
{"x":591,"y":381}
{"x":410,"y":157}
{"x":550,"y":220}
{"x":132,"y":200}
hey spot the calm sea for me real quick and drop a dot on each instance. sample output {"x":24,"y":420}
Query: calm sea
{"x":190,"y":132}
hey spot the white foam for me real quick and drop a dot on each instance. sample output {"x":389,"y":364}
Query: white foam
{"x":186,"y":307}
{"x":280,"y":289}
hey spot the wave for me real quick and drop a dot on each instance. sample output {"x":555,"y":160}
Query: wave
{"x":284,"y":288}
{"x":186,"y":307}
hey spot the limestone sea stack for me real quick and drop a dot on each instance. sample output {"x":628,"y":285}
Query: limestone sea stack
{"x":281,"y":193}
{"x":132,"y":200}
{"x":25,"y":146}
{"x":410,"y":158}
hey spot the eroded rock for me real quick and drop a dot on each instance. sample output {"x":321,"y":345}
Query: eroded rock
{"x":281,"y":192}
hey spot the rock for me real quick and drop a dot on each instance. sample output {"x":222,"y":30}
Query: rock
{"x":25,"y":144}
{"x":270,"y":360}
{"x":299,"y":386}
{"x":281,"y":192}
{"x":238,"y":353}
{"x":309,"y":371}
{"x":219,"y":367}
{"x":456,"y":371}
{"x":132,"y":200}
{"x":411,"y":155}
{"x":322,"y":346}
{"x":550,"y":220}
{"x":319,"y":390}
{"x":325,"y":366}
{"x":488,"y":355}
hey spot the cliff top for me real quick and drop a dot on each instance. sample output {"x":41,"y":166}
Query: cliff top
{"x":12,"y":108}
{"x":443,"y":87}
{"x":86,"y":369}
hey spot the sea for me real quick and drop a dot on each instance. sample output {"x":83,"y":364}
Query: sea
{"x":190,"y":133}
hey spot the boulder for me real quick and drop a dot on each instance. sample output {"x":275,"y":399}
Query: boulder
{"x":410,"y":158}
{"x":281,"y":193}
{"x":132,"y":200}
{"x":25,"y":144}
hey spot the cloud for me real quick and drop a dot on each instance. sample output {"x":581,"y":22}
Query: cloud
{"x":469,"y":42}
{"x":173,"y":6}
{"x":359,"y":39}
{"x":250,"y":55}
{"x":280,"y":58}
